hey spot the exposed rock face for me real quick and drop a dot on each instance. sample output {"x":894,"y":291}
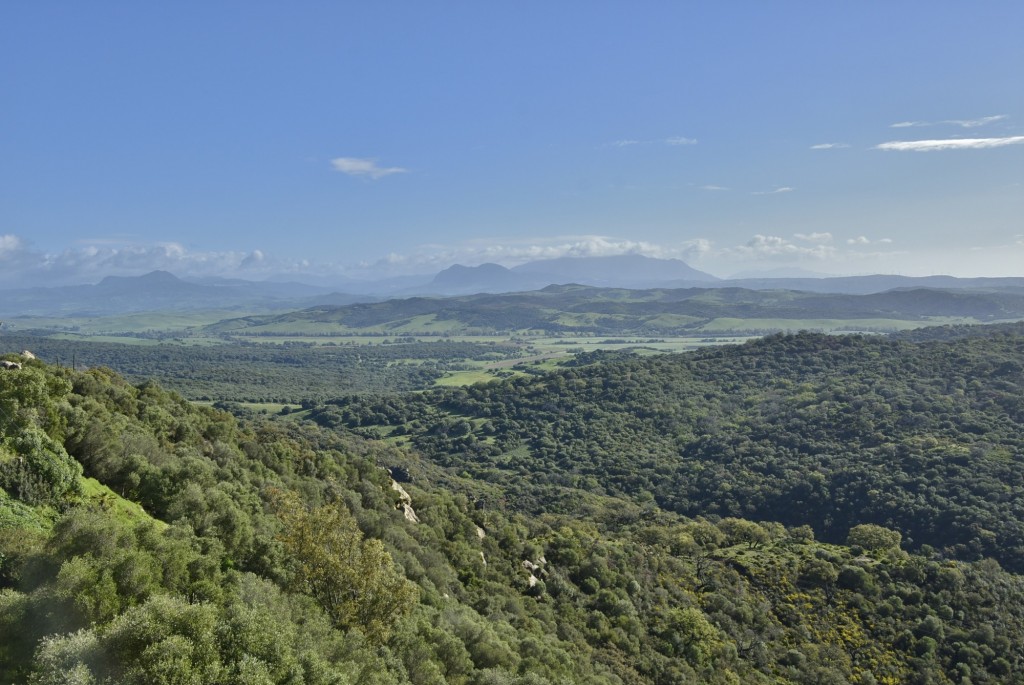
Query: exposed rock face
{"x":534,"y":568}
{"x":410,"y":513}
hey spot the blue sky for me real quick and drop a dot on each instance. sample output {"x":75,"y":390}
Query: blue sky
{"x":320,"y":139}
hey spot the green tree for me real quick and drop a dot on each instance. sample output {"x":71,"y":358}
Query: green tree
{"x":874,"y":538}
{"x":355,"y":580}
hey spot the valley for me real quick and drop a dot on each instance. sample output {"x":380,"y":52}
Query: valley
{"x":601,"y":503}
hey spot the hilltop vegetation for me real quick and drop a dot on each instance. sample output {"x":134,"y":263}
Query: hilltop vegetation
{"x":276,"y":551}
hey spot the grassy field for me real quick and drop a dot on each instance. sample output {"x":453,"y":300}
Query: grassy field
{"x":660,"y":343}
{"x":731,"y":325}
{"x":102,"y":496}
{"x":465,"y":377}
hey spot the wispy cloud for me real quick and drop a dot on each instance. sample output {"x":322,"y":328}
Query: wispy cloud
{"x":949,"y":144}
{"x":964,"y":123}
{"x":713,"y":187}
{"x":674,"y":141}
{"x":777,"y":191}
{"x":829,"y":146}
{"x":356,"y":166}
{"x":974,"y":123}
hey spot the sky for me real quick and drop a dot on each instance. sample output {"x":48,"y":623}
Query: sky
{"x":331,"y":140}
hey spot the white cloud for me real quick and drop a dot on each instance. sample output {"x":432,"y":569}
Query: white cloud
{"x":9,"y":244}
{"x":823,"y":237}
{"x":783,"y":189}
{"x":949,"y":144}
{"x":829,"y":146}
{"x":255,"y":258}
{"x":713,"y":187}
{"x":355,"y":166}
{"x":624,"y":143}
{"x":908,"y":124}
{"x":680,"y":140}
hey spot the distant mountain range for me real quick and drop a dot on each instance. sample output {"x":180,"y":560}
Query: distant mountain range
{"x":617,"y":271}
{"x":162,"y":291}
{"x":622,"y":271}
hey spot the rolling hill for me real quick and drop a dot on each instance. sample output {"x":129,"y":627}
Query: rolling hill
{"x":589,"y":310}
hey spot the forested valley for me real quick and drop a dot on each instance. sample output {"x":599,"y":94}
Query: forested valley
{"x":799,"y":509}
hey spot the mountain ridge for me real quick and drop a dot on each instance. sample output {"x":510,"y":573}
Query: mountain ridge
{"x":163,"y":291}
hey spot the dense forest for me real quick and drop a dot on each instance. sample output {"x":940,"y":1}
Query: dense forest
{"x":826,"y":431}
{"x":802,"y":509}
{"x":247,"y":372}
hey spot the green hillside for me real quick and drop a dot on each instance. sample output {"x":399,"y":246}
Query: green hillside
{"x":541,"y":531}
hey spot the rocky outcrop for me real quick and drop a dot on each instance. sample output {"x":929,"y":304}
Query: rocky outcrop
{"x":405,"y":502}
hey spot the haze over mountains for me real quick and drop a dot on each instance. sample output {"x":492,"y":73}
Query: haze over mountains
{"x":161,"y":290}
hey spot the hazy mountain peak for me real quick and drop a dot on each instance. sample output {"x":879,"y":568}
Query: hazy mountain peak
{"x":486,"y":277}
{"x":152,"y":278}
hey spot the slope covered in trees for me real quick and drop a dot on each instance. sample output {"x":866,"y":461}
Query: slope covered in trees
{"x":827,"y":431}
{"x":279,"y":551}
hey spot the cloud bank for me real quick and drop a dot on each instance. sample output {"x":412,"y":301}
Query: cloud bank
{"x":22,"y":267}
{"x":25,"y":267}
